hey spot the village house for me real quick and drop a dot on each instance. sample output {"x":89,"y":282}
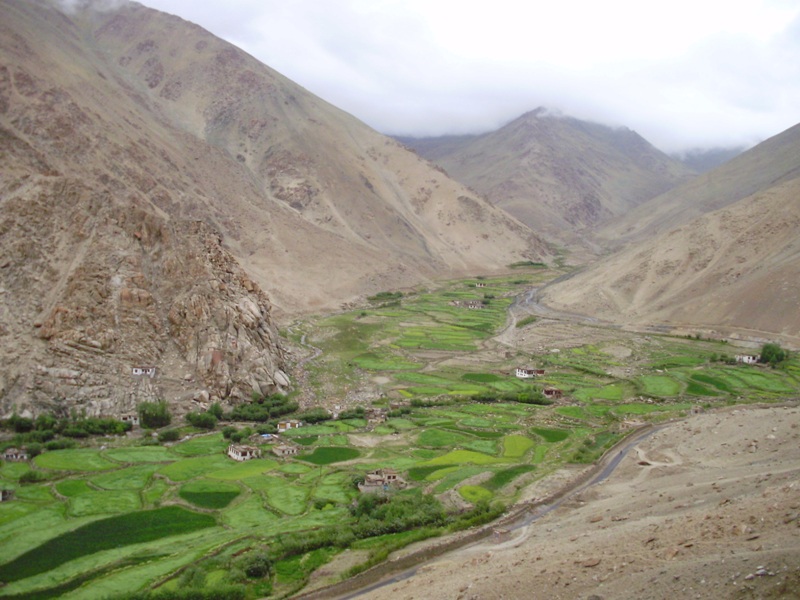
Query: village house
{"x":375,"y":415}
{"x":381,"y":481}
{"x":285,"y":426}
{"x":131,"y":418}
{"x":528,"y":373}
{"x":480,"y":285}
{"x":242,"y":453}
{"x":748,"y":359}
{"x":144,"y":372}
{"x":15,"y":455}
{"x":552,"y":393}
{"x":284,"y":450}
{"x":264,"y":438}
{"x":6,"y":495}
{"x":470,"y":304}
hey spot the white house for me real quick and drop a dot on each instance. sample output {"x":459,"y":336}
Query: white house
{"x":144,"y":372}
{"x":748,"y":359}
{"x":528,"y":373}
{"x":284,"y":426}
{"x":243,"y":453}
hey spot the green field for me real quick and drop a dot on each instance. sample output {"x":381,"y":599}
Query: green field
{"x":184,"y":515}
{"x":113,"y":532}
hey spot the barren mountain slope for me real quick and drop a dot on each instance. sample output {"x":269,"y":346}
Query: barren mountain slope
{"x":112,"y":118}
{"x":734,"y":270}
{"x":769,"y":163}
{"x":558,"y":175}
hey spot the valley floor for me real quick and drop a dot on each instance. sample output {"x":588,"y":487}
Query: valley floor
{"x":708,"y":507}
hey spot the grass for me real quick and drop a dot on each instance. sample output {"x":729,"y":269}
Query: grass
{"x":205,"y":493}
{"x":505,"y":476}
{"x":74,"y":460}
{"x":141,"y":454}
{"x":104,"y":502}
{"x":72,"y":487}
{"x":474,"y":493}
{"x":130,"y":478}
{"x":285,"y":496}
{"x":189,"y":468}
{"x":327,"y":455}
{"x":551,"y":435}
{"x":105,"y":534}
{"x":516,"y":446}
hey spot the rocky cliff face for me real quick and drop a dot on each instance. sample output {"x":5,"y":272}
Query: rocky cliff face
{"x":93,"y":292}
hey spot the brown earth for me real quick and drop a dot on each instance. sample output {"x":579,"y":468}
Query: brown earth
{"x":708,"y":507}
{"x":734,"y":272}
{"x":559,"y":175}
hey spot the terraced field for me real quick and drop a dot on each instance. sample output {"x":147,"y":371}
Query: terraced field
{"x":459,"y":427}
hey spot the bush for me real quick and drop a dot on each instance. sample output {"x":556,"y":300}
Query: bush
{"x":154,"y":415}
{"x":32,"y":477}
{"x":228,"y":431}
{"x":216,"y":410}
{"x":772,"y":354}
{"x":203,"y":420}
{"x":315,"y":415}
{"x":20,"y":424}
{"x":169,"y":435}
{"x":259,"y":566}
{"x":60,"y":444}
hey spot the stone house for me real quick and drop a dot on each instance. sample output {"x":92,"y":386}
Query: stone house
{"x":131,"y":418}
{"x":285,"y":426}
{"x":381,"y":481}
{"x":552,"y":393}
{"x":6,"y":495}
{"x":15,"y":455}
{"x":242,"y":453}
{"x":284,"y":450}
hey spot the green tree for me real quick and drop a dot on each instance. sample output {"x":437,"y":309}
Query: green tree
{"x":154,"y":414}
{"x":772,"y":354}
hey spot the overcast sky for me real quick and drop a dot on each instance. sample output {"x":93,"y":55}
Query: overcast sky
{"x":684,"y":73}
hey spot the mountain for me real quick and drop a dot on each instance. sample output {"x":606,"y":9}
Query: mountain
{"x":559,"y":175}
{"x":771,"y":162}
{"x":158,"y":183}
{"x":734,"y":270}
{"x":703,"y":160}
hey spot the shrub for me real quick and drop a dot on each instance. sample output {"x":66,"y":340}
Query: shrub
{"x":772,"y":354}
{"x":228,"y":431}
{"x":20,"y":424}
{"x":31,"y":477}
{"x":259,"y":566}
{"x":315,"y":415}
{"x":169,"y":435}
{"x":216,"y":410}
{"x":154,"y":415}
{"x":203,"y":420}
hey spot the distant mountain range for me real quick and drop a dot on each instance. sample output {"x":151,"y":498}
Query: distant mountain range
{"x":559,"y":175}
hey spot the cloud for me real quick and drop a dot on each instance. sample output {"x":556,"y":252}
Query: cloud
{"x":683,"y":74}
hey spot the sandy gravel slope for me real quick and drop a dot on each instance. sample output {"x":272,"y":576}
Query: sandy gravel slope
{"x":704,"y":508}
